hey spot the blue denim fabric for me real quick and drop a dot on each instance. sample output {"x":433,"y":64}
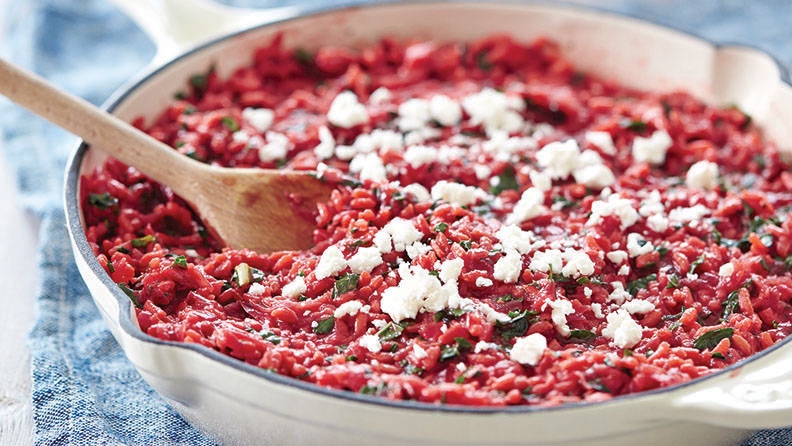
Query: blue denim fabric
{"x":84,"y":389}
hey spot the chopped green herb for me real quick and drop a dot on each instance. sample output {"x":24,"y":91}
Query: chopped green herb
{"x":718,"y":355}
{"x":662,"y":250}
{"x":507,"y":180}
{"x":303,"y":56}
{"x":141,"y":242}
{"x":696,"y":263}
{"x":345,"y":284}
{"x":122,"y":250}
{"x":482,"y":62}
{"x":508,"y":298}
{"x":450,"y":314}
{"x":390,"y":331}
{"x":633,"y":125}
{"x":673,"y":281}
{"x":180,"y":261}
{"x":130,"y":294}
{"x":640,"y":284}
{"x":351,"y":358}
{"x":466,"y":244}
{"x":582,"y":335}
{"x":230,"y":123}
{"x":711,"y":338}
{"x":266,"y":335}
{"x":598,"y":385}
{"x":373,"y":390}
{"x":449,"y":351}
{"x":517,"y":326}
{"x":566,"y":203}
{"x":102,"y":201}
{"x":325,"y":326}
{"x":441,"y":227}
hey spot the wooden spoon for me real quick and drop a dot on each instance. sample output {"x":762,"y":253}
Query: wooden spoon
{"x":261,"y":209}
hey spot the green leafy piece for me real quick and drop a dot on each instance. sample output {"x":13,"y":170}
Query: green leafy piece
{"x":122,"y":250}
{"x":673,"y":281}
{"x":450,"y":351}
{"x":517,"y":326}
{"x":325,"y":326}
{"x":566,"y":203}
{"x":640,"y":284}
{"x":662,"y":250}
{"x":351,"y":358}
{"x":633,"y":125}
{"x":582,"y":335}
{"x":441,"y":227}
{"x":696,"y":263}
{"x":598,"y":385}
{"x":345,"y":284}
{"x":509,"y":298}
{"x":373,"y":390}
{"x":507,"y":180}
{"x":449,"y":314}
{"x":732,"y":301}
{"x":230,"y":123}
{"x":265,"y":335}
{"x":102,"y":201}
{"x":711,"y":338}
{"x":718,"y":355}
{"x":390,"y":331}
{"x":303,"y":56}
{"x":141,"y":242}
{"x":482,"y":62}
{"x":466,"y":244}
{"x":130,"y":294}
{"x":180,"y":261}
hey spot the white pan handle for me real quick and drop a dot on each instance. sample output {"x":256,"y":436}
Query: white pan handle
{"x":178,"y":25}
{"x":756,"y":396}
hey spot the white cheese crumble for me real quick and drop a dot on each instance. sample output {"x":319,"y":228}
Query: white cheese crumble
{"x":327,"y":143}
{"x":686,"y":215}
{"x":484,"y":346}
{"x":703,"y":175}
{"x":418,"y":291}
{"x":619,"y":294}
{"x":617,"y":256}
{"x":546,"y":261}
{"x":624,"y":270}
{"x":419,"y":352}
{"x":494,"y":111}
{"x":365,"y":259}
{"x":624,"y":331}
{"x":368,"y":166}
{"x":528,"y":349}
{"x":413,"y":114}
{"x":346,"y":112}
{"x":259,"y":118}
{"x":638,"y":306}
{"x":331,"y":262}
{"x":559,"y":158}
{"x":531,"y":205}
{"x":540,"y":180}
{"x":371,"y":342}
{"x":614,"y":205}
{"x":418,"y":191}
{"x":380,"y":96}
{"x":277,"y":147}
{"x":451,"y":269}
{"x":561,"y":308}
{"x":652,"y":149}
{"x":402,"y":233}
{"x":417,"y":249}
{"x":455,"y":193}
{"x":602,"y":140}
{"x":596,"y":308}
{"x":512,"y":237}
{"x":595,"y":176}
{"x":294,"y":288}
{"x":257,"y":289}
{"x":445,"y":110}
{"x":350,"y":308}
{"x":726,"y":270}
{"x":637,"y":245}
{"x":578,"y":263}
{"x":483,"y":282}
{"x":508,"y":267}
{"x":657,"y":223}
{"x":419,"y":155}
{"x":504,"y":146}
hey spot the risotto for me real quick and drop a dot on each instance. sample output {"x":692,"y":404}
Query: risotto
{"x":517,"y":232}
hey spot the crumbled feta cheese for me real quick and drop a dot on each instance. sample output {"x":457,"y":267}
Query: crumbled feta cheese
{"x":637,"y":245}
{"x":259,"y":118}
{"x":419,"y":192}
{"x":588,"y":291}
{"x":504,"y":146}
{"x":624,"y":270}
{"x":417,"y":249}
{"x":418,"y":156}
{"x":547,"y":261}
{"x":528,"y":349}
{"x":493,"y":110}
{"x":451,"y":269}
{"x":578,"y":263}
{"x":326,"y":146}
{"x":413,"y":114}
{"x":483,"y":282}
{"x":508,"y":267}
{"x":277,"y":147}
{"x":456,"y":193}
{"x":531,"y":205}
{"x":371,"y":342}
{"x":602,"y":140}
{"x":614,"y":205}
{"x":419,"y":352}
{"x":331,"y":262}
{"x":657,"y":223}
{"x":380,"y":96}
{"x":482,"y":171}
{"x":350,"y":308}
{"x":595,"y":176}
{"x":445,"y":110}
{"x":512,"y":237}
{"x":624,"y":331}
{"x":617,"y":257}
{"x":417,"y":291}
{"x":726,"y":270}
{"x":561,"y":308}
{"x":257,"y":289}
{"x":484,"y":346}
{"x":365,"y":259}
{"x":402,"y":233}
{"x":703,"y":175}
{"x":346,"y":112}
{"x":491,"y":314}
{"x":685,"y":215}
{"x":653,"y":204}
{"x":619,"y":294}
{"x":345,"y":153}
{"x":382,"y":240}
{"x":638,"y":306}
{"x":596,"y":308}
{"x":540,"y":180}
{"x":559,"y":159}
{"x":652,"y":149}
{"x":418,"y":136}
{"x":368,"y":166}
{"x":240,"y":136}
{"x":294,"y":288}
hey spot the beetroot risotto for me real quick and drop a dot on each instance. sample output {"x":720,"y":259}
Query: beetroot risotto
{"x":518,"y":232}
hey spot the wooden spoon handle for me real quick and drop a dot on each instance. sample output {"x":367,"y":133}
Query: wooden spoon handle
{"x":114,"y":136}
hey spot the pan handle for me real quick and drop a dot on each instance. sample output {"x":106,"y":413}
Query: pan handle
{"x":178,"y":25}
{"x":755,"y":396}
